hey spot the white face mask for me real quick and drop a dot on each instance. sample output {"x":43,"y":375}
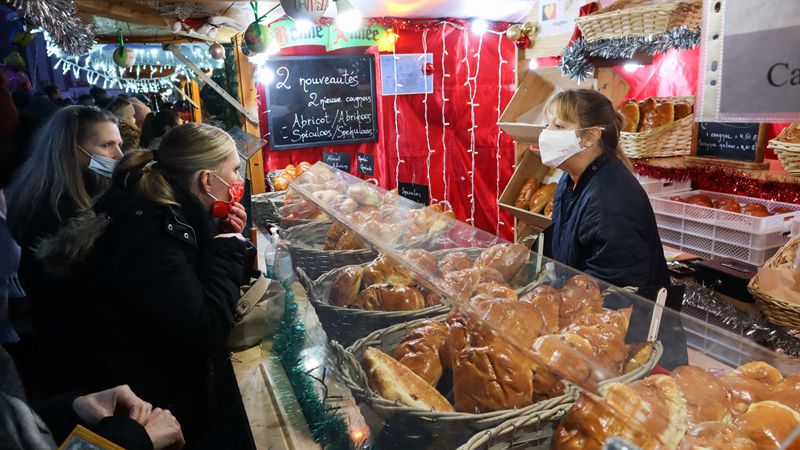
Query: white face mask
{"x":557,"y":146}
{"x":100,"y":164}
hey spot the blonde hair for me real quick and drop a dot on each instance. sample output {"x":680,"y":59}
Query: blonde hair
{"x":185,"y":151}
{"x":53,"y":171}
{"x":588,"y":109}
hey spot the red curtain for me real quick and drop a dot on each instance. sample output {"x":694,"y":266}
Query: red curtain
{"x":491,"y":77}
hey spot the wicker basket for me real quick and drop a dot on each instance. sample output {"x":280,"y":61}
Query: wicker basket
{"x":778,"y":311}
{"x":266,"y":207}
{"x":532,"y":432}
{"x":438,"y":422}
{"x":305,"y":244}
{"x":672,"y":139}
{"x":639,"y":18}
{"x":788,"y":153}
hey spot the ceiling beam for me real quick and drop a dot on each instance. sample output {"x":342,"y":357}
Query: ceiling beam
{"x":128,"y":13}
{"x":148,"y":39}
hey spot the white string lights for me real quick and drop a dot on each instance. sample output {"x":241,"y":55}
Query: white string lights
{"x":499,"y":131}
{"x":445,"y":75}
{"x":396,"y":121}
{"x":427,"y":124}
{"x":472,"y":85}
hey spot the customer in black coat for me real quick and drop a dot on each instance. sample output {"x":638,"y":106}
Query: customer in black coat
{"x":60,"y":176}
{"x":160,"y":276}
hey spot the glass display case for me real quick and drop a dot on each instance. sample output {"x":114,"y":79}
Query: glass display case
{"x":454,"y":337}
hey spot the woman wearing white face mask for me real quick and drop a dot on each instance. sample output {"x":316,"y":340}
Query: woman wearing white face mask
{"x":68,"y":165}
{"x":603,"y":222}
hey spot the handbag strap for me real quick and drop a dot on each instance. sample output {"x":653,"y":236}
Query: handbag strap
{"x":252,"y":296}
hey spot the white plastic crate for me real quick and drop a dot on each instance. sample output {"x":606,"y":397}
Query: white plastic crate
{"x":707,"y":248}
{"x":796,"y":227}
{"x":654,"y":187}
{"x":731,"y":220}
{"x":722,"y":234}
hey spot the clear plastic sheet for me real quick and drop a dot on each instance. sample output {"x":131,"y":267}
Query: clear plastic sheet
{"x":520,"y":330}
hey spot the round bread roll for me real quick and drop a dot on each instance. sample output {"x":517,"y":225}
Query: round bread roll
{"x":542,"y":197}
{"x":663,"y":114}
{"x":424,"y":260}
{"x":579,"y":296}
{"x":757,"y":213}
{"x":547,"y":301}
{"x":384,"y":270}
{"x":504,"y":258}
{"x":754,"y":207}
{"x":769,"y":424}
{"x":630,"y":116}
{"x":750,"y":383}
{"x":496,"y":290}
{"x":455,"y":261}
{"x":567,"y":355}
{"x":489,"y":275}
{"x":344,"y":289}
{"x":700,"y":200}
{"x":705,"y":397}
{"x":396,"y":382}
{"x":462,"y":283}
{"x":387,"y":297}
{"x":526,"y":192}
{"x":787,"y":392}
{"x":419,"y":350}
{"x":716,"y":436}
{"x":683,"y":109}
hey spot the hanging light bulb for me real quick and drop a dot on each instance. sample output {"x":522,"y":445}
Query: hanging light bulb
{"x":348,"y":18}
{"x":265,"y":75}
{"x":479,"y":26}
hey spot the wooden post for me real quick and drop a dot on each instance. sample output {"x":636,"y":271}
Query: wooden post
{"x":194,"y":94}
{"x":249,"y":99}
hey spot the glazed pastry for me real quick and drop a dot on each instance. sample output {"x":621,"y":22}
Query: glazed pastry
{"x":716,"y":436}
{"x":462,"y":283}
{"x":645,"y":106}
{"x":526,"y":192}
{"x":335,"y":233}
{"x":769,"y":424}
{"x":580,"y":295}
{"x":496,"y":290}
{"x":705,"y":397}
{"x":384,"y":270}
{"x":630,"y":116}
{"x":748,"y":384}
{"x":350,"y":241}
{"x":548,"y":208}
{"x":396,"y":382}
{"x":700,"y":200}
{"x":542,"y":197}
{"x":386,"y":297}
{"x":455,"y":261}
{"x":419,"y":350}
{"x":682,"y":109}
{"x":663,"y":114}
{"x":547,"y":301}
{"x":424,"y":260}
{"x":638,"y":354}
{"x":567,"y":355}
{"x":345,"y":289}
{"x":504,"y":258}
{"x":787,"y":392}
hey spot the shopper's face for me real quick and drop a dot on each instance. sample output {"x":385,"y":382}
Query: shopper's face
{"x":104,"y":140}
{"x":556,"y":123}
{"x":229,"y":173}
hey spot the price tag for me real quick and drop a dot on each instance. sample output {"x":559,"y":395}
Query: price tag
{"x":366,"y":164}
{"x":336,"y":160}
{"x":414,"y":192}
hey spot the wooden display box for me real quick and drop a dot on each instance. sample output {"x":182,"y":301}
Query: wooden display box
{"x":530,"y":166}
{"x":524,"y":118}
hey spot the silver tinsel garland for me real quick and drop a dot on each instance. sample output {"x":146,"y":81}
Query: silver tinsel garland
{"x":575,"y":58}
{"x":60,"y":19}
{"x":755,"y":327}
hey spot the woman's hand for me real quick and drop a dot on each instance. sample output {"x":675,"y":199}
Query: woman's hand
{"x":164,"y":430}
{"x":235,"y":221}
{"x":93,"y":408}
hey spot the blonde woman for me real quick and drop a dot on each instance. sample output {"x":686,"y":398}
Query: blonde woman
{"x":161,"y":274}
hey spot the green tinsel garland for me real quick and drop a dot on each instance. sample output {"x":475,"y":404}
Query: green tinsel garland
{"x":328,"y":428}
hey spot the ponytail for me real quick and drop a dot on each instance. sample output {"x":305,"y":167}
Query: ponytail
{"x":140,"y":172}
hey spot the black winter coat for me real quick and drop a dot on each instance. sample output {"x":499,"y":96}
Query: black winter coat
{"x":158,"y":293}
{"x":604,"y":226}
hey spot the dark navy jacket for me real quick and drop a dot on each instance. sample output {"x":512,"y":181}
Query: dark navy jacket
{"x":604,"y":226}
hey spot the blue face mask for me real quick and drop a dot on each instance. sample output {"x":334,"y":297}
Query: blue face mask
{"x":100,"y":164}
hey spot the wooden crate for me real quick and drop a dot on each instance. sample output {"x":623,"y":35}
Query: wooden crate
{"x":530,"y":166}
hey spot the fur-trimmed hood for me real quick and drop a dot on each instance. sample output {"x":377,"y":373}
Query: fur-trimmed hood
{"x":62,"y":252}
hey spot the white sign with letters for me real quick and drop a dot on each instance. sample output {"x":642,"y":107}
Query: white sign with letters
{"x":750,"y":66}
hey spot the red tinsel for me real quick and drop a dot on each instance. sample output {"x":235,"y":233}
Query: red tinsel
{"x":724,"y":179}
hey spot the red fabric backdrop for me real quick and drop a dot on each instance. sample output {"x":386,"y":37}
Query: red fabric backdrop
{"x":674,"y":73}
{"x":492,"y":77}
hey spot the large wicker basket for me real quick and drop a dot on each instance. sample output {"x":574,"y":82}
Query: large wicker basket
{"x":439,"y":422}
{"x":672,"y":139}
{"x":305,"y":245}
{"x":639,"y":18}
{"x":778,"y":311}
{"x":788,"y":153}
{"x":266,"y":207}
{"x":532,"y":431}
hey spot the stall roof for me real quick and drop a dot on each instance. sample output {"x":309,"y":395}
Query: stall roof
{"x":151,"y":20}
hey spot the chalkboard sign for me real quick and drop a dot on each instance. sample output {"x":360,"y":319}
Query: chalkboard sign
{"x":415,"y":192}
{"x":321,"y":100}
{"x":742,"y":143}
{"x":366,"y":164}
{"x":339,"y":161}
